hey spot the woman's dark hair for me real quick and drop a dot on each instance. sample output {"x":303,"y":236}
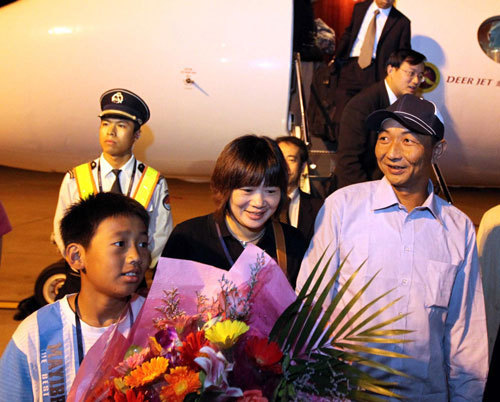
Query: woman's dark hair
{"x":247,"y":161}
{"x":82,"y":219}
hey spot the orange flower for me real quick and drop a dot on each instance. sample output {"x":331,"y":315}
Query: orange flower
{"x":266,"y":354}
{"x":147,"y":372}
{"x":154,"y":346}
{"x":181,"y":381}
{"x":190,"y":348}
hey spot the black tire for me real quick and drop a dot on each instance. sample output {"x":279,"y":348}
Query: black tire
{"x":49,"y":282}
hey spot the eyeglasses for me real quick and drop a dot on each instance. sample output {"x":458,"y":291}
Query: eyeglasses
{"x":412,"y":74}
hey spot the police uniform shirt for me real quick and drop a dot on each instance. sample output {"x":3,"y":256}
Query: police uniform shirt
{"x":160,"y":225}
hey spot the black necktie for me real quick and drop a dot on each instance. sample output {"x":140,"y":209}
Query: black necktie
{"x":115,"y":188}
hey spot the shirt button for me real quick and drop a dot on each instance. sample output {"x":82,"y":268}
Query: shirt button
{"x":407,"y":248}
{"x":404,"y":281}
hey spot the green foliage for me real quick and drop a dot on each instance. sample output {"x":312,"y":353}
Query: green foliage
{"x":321,"y":348}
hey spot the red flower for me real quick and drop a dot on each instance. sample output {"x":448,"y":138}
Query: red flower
{"x":253,"y":395}
{"x":266,"y":354}
{"x":190,"y":348}
{"x":129,"y":397}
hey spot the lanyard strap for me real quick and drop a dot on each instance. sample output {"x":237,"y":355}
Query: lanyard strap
{"x":131,"y":183}
{"x":79,"y":336}
{"x":224,"y":246}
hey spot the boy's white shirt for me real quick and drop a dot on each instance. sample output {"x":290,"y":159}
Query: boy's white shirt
{"x":27,"y":339}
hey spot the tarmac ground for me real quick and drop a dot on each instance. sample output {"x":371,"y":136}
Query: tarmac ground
{"x":30,"y":199}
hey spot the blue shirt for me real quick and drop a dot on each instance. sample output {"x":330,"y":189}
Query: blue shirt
{"x":429,"y":257}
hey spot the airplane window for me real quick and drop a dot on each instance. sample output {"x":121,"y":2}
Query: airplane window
{"x":488,"y":36}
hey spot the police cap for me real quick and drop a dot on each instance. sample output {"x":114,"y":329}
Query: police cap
{"x":124,"y":103}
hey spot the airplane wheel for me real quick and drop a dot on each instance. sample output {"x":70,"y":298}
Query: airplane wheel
{"x":48,"y":283}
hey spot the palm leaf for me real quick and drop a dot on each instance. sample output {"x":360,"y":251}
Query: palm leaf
{"x":308,"y":332}
{"x":311,"y":315}
{"x":356,"y":358}
{"x":293,"y":329}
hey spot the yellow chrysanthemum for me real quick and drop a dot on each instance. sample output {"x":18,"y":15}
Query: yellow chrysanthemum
{"x":181,"y":381}
{"x":225,"y":333}
{"x":147,"y":372}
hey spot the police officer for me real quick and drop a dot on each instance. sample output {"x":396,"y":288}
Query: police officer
{"x":117,"y":169}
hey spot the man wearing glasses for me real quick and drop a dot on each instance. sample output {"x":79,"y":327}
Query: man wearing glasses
{"x":355,"y":158}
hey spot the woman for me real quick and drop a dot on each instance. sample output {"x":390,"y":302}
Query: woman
{"x":249,"y":186}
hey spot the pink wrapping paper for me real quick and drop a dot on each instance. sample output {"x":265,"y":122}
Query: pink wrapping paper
{"x":272,"y":295}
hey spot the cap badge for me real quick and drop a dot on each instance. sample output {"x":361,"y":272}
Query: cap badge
{"x":117,"y":98}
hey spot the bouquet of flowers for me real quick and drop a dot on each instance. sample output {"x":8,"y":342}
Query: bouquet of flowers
{"x":208,"y":334}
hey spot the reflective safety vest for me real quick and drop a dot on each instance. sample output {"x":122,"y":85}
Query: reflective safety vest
{"x":143,"y":192}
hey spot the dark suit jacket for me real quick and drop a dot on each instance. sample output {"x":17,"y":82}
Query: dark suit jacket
{"x":308,"y":209}
{"x":395,"y":35}
{"x":355,"y":157}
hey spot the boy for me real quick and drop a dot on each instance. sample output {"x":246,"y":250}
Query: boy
{"x":106,"y":240}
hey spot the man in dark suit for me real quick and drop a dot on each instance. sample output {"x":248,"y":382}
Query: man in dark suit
{"x":392,"y":32}
{"x":355,"y":157}
{"x":303,"y":207}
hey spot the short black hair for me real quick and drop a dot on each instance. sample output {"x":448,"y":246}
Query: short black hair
{"x":410,"y":56}
{"x":303,"y":153}
{"x":247,"y":161}
{"x":81,"y":220}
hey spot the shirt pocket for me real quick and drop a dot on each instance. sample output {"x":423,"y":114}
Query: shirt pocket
{"x":439,"y":283}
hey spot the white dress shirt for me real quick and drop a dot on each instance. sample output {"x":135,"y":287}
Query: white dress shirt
{"x":294,"y":207}
{"x":380,"y":22}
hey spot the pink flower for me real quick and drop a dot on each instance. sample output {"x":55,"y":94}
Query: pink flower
{"x":216,"y":367}
{"x":133,"y":361}
{"x":252,"y":395}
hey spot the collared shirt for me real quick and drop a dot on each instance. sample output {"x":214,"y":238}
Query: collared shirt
{"x":294,"y":207}
{"x":380,"y":22}
{"x":392,"y":98}
{"x":429,"y":257}
{"x":488,"y":242}
{"x":160,"y":225}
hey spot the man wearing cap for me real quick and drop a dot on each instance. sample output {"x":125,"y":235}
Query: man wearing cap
{"x":421,"y":247}
{"x":117,"y":169}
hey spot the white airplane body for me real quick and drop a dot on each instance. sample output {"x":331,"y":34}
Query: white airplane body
{"x":210,"y":71}
{"x":468,"y":94}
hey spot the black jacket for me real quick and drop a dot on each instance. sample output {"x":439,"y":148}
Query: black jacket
{"x":197,"y":240}
{"x":355,"y":157}
{"x":395,"y":35}
{"x":308,"y":209}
